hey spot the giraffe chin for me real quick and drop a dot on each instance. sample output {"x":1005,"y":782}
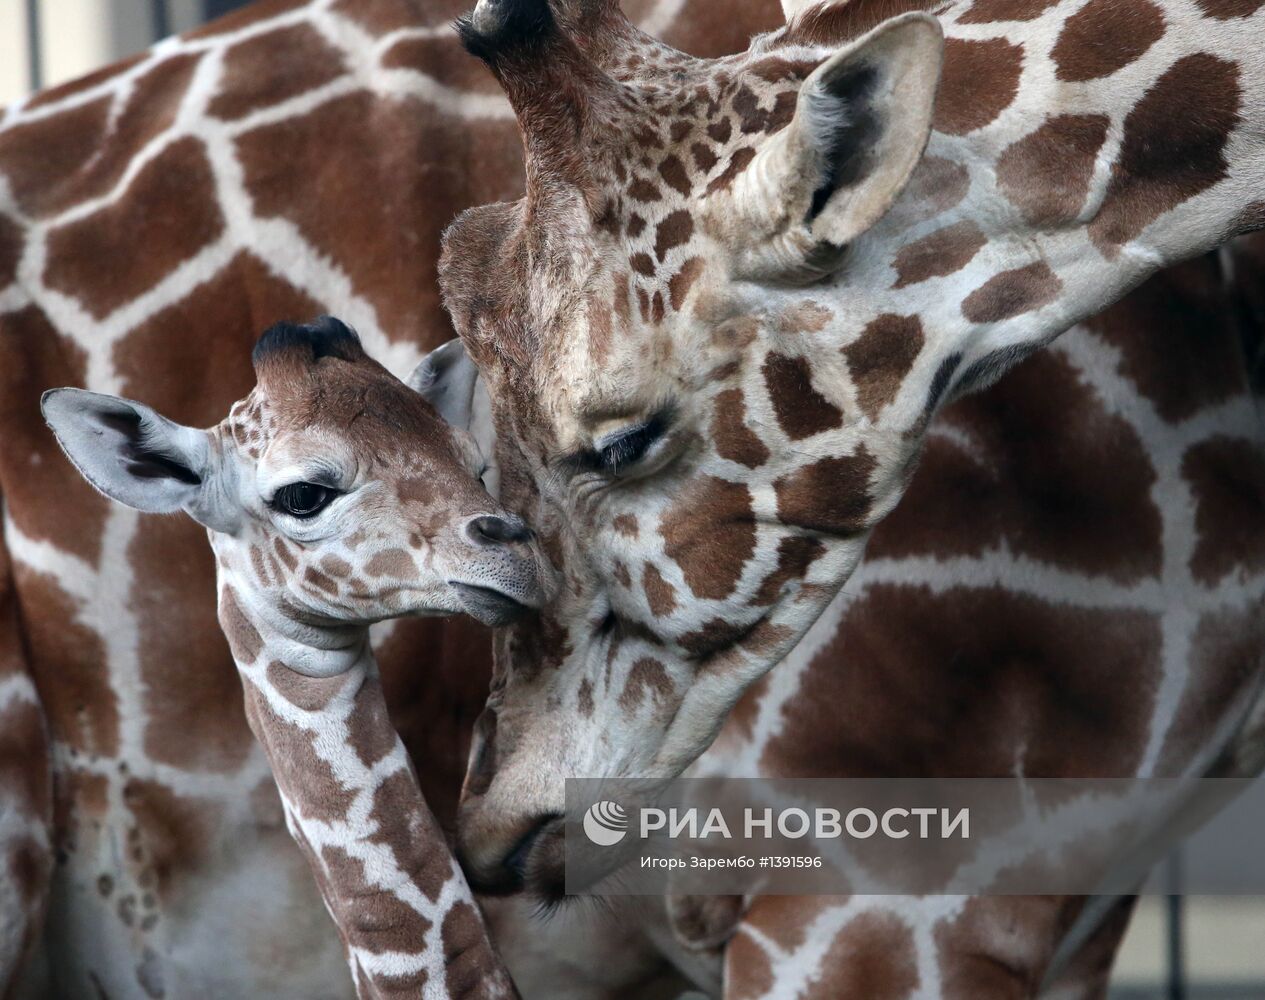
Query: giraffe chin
{"x":489,"y":607}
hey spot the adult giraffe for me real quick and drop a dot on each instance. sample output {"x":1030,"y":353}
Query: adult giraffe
{"x":287,"y":160}
{"x":278,"y":88}
{"x":715,"y":332}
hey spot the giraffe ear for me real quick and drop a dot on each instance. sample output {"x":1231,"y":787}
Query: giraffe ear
{"x":136,"y":456}
{"x":860,"y":127}
{"x":446,"y":379}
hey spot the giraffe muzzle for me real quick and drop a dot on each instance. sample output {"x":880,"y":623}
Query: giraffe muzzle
{"x":500,"y":576}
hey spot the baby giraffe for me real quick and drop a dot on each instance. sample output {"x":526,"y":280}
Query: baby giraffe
{"x":336,"y":496}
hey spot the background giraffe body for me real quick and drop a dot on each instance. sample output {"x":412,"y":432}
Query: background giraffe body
{"x":166,"y":828}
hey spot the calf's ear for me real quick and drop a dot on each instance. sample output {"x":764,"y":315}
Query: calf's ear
{"x":136,"y":456}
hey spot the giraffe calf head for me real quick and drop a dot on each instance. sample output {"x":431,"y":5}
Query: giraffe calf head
{"x":334,"y":493}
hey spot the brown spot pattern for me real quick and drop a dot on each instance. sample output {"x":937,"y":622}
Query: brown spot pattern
{"x":979,"y":82}
{"x":660,"y":595}
{"x":272,"y":67}
{"x":1165,"y":158}
{"x":243,"y":637}
{"x":988,"y":11}
{"x":1104,"y":37}
{"x":731,"y":436}
{"x":943,"y":252}
{"x":1046,"y":174}
{"x":681,"y":283}
{"x":1012,"y":293}
{"x":831,"y":495}
{"x":674,"y":231}
{"x":1050,"y":472}
{"x":795,"y":554}
{"x":710,"y":533}
{"x":1225,"y":10}
{"x":93,"y":259}
{"x":801,"y":410}
{"x":646,"y":675}
{"x":881,"y":357}
{"x":1227,"y":477}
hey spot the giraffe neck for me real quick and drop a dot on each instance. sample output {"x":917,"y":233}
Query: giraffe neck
{"x":406,"y":915}
{"x":1053,"y":185}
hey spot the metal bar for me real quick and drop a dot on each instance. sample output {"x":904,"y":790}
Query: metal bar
{"x":1175,"y":917}
{"x":159,"y":19}
{"x":34,"y":55}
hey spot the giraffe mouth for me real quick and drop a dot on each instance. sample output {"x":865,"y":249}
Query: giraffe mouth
{"x":491,"y":607}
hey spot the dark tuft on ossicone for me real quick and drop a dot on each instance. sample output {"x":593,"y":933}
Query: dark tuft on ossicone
{"x":497,"y":27}
{"x":325,"y":337}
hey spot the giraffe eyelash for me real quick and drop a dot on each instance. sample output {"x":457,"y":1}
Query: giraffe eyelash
{"x":625,"y":449}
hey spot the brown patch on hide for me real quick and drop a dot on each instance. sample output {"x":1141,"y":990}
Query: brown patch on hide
{"x":831,"y":495}
{"x":660,"y":595}
{"x":1227,"y":479}
{"x":989,"y":11}
{"x":1046,"y":174}
{"x":1179,"y":373}
{"x":795,"y":554}
{"x":191,"y":693}
{"x":1012,"y":293}
{"x":873,"y":956}
{"x":941,"y":253}
{"x":46,"y":498}
{"x":1040,"y":465}
{"x":94,"y":259}
{"x":385,"y":199}
{"x":881,"y":358}
{"x":42,"y":158}
{"x":1165,"y":158}
{"x":175,"y":830}
{"x":801,"y":410}
{"x":1103,"y":37}
{"x":731,"y":436}
{"x":243,"y":637}
{"x":69,"y":660}
{"x":646,"y":675}
{"x":274,"y":67}
{"x":1226,"y":10}
{"x":979,"y":82}
{"x":681,"y":282}
{"x":445,"y":61}
{"x":710,"y":533}
{"x":1072,"y":686}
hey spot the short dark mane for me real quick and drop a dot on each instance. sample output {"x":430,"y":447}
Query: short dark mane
{"x":521,"y":24}
{"x":325,"y":337}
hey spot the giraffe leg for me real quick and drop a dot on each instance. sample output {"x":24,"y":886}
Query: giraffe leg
{"x":25,"y":794}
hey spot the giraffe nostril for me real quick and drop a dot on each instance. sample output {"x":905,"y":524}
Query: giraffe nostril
{"x":491,"y":529}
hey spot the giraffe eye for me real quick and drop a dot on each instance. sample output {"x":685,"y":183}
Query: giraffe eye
{"x":628,"y":449}
{"x":303,"y":500}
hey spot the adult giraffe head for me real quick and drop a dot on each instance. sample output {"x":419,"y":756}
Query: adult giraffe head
{"x":335,"y":495}
{"x":736,"y":291}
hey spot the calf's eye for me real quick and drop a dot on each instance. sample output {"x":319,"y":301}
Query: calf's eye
{"x":303,"y":500}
